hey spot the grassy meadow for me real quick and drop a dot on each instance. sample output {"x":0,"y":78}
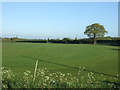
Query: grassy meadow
{"x":100,"y":58}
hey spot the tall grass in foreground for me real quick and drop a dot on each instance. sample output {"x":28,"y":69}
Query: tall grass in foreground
{"x":45,"y":79}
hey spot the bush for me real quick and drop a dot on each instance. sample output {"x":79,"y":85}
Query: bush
{"x":45,"y":79}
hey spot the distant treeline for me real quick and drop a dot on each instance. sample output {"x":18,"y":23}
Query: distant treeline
{"x":103,"y":40}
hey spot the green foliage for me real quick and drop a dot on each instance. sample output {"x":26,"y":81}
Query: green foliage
{"x":103,"y":40}
{"x":12,"y":39}
{"x":95,"y":30}
{"x":45,"y":79}
{"x":66,"y":39}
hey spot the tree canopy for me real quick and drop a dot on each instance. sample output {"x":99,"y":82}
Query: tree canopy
{"x":95,"y":30}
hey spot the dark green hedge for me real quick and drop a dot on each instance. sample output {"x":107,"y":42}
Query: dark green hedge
{"x":106,"y":41}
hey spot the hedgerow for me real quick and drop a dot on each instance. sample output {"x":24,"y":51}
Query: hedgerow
{"x":46,"y":79}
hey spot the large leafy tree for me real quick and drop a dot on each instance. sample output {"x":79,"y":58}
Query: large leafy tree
{"x":95,"y":30}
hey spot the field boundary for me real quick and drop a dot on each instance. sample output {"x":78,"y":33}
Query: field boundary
{"x":72,"y":67}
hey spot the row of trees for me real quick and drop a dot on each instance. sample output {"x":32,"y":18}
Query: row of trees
{"x":99,"y":40}
{"x":94,"y":32}
{"x":14,"y":39}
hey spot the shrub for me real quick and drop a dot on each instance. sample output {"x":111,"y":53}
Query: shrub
{"x":45,"y":79}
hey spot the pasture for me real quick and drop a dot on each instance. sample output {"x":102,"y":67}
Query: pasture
{"x":100,"y":58}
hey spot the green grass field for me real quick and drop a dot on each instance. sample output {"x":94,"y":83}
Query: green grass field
{"x":100,"y":58}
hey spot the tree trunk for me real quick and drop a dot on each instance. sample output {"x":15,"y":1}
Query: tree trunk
{"x":94,"y":39}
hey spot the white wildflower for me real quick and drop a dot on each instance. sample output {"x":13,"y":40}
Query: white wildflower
{"x":47,"y":77}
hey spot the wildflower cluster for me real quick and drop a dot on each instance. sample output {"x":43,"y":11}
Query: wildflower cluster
{"x":46,"y":79}
{"x":7,"y":77}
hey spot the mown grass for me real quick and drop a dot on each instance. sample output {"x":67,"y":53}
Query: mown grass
{"x":100,"y":58}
